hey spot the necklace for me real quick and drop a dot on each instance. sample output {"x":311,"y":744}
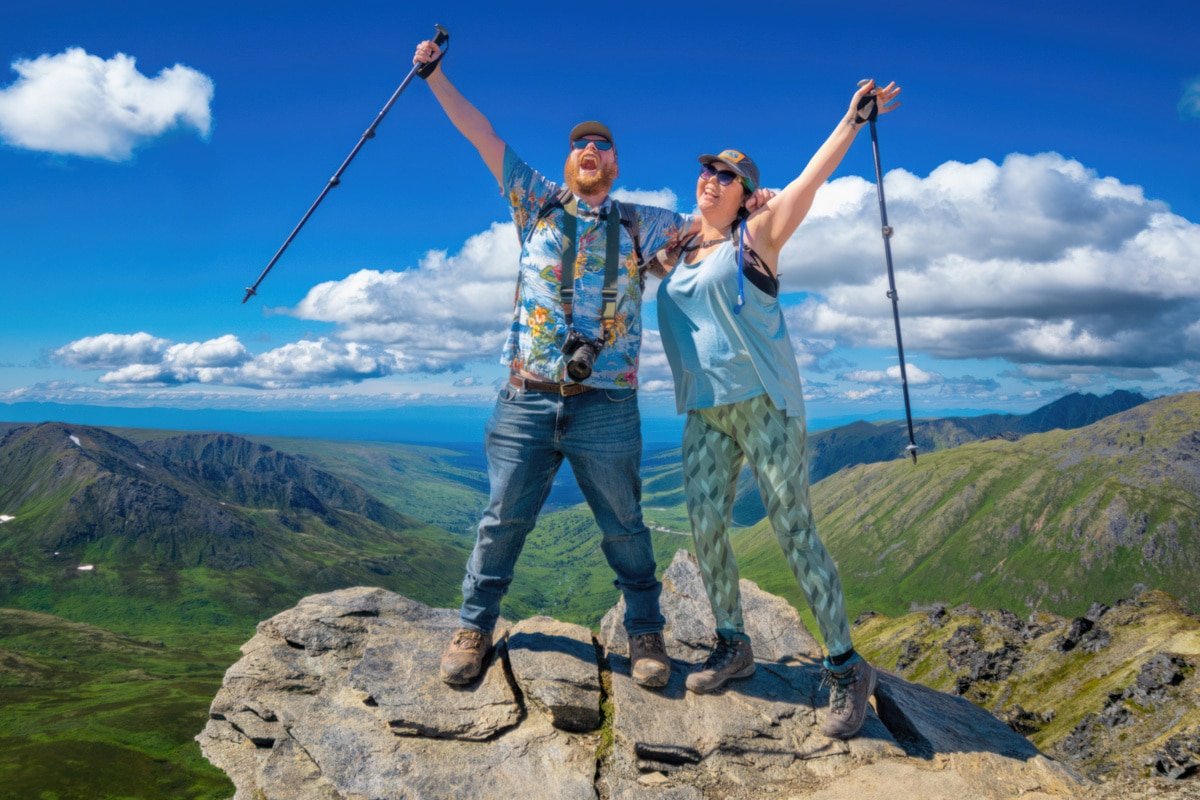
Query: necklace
{"x":691,"y":248}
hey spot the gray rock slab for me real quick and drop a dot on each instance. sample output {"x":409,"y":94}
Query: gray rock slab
{"x":340,"y":698}
{"x":399,"y":673}
{"x":774,"y":627}
{"x":761,"y":730}
{"x":555,"y":665}
{"x":941,"y":723}
{"x":360,"y":756}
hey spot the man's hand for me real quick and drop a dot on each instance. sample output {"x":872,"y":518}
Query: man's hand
{"x":427,"y":53}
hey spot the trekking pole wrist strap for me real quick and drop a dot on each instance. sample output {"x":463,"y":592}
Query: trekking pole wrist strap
{"x":442,"y":40}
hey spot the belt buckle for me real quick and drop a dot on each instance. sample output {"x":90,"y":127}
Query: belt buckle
{"x":571,"y":389}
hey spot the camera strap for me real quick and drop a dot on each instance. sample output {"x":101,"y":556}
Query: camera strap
{"x":612,"y":259}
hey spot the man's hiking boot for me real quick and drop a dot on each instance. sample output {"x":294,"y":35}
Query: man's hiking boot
{"x":463,"y":657}
{"x":648,"y":662}
{"x":729,"y":660}
{"x":850,"y":688}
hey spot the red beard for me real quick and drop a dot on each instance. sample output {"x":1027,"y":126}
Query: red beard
{"x":599,"y":182}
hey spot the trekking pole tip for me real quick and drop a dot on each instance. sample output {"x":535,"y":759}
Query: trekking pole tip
{"x":911,"y":450}
{"x":249,"y":293}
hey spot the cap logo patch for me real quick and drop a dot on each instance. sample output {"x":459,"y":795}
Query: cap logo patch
{"x":732,"y":155}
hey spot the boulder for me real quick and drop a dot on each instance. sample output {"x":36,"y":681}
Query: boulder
{"x":340,"y":697}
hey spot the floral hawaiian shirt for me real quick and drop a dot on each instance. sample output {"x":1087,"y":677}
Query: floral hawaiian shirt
{"x":538,"y":327}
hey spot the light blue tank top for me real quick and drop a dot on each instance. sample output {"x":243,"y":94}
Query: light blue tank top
{"x":718,"y":357}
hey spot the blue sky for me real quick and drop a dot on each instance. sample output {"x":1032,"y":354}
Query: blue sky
{"x":1042,"y":178}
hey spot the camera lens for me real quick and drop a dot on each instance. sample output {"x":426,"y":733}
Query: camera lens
{"x":579,"y":368}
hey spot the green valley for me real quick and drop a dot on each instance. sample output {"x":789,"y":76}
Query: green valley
{"x":133,"y":563}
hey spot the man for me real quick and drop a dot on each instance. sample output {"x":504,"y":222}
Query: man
{"x":543,"y":414}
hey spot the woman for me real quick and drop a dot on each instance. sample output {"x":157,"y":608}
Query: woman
{"x":736,"y":378}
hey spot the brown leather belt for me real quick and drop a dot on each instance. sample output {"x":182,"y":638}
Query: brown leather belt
{"x":564,"y":389}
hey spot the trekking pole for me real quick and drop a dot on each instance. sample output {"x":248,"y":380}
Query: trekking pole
{"x":870,"y":108}
{"x":423,"y":70}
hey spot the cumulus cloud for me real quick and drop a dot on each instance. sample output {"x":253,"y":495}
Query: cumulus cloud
{"x":891,"y":375}
{"x":1071,"y":277}
{"x":663,"y":198}
{"x":654,"y":371}
{"x":1189,"y":104}
{"x":111,"y":351}
{"x":143,"y":360}
{"x":74,"y":103}
{"x":445,"y":312}
{"x":1035,"y":260}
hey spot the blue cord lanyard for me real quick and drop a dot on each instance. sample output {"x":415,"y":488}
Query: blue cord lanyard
{"x":741,"y":300}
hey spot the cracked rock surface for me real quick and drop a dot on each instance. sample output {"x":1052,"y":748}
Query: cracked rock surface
{"x":340,"y":697}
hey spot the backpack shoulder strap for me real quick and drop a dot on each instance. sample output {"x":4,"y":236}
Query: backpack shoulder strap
{"x":559,"y":199}
{"x":629,"y":219}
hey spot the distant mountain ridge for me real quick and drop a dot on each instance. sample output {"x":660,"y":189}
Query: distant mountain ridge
{"x":242,"y":513}
{"x":867,"y":443}
{"x":173,"y":501}
{"x":1051,"y":521}
{"x":870,"y":443}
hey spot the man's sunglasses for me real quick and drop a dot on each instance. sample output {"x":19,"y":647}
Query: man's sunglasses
{"x":724,"y":176}
{"x":601,"y":144}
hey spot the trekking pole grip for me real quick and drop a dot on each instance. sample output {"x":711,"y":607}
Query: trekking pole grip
{"x":442,"y":40}
{"x":868,"y":107}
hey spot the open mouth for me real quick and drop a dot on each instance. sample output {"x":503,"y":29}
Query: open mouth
{"x":589,"y":162}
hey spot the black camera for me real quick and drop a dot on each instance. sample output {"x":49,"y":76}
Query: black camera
{"x":581,"y":352}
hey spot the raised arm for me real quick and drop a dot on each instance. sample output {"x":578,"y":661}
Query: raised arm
{"x":770,"y":229}
{"x":468,"y":119}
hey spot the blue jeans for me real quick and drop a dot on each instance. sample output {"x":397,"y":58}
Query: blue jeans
{"x":599,"y":433}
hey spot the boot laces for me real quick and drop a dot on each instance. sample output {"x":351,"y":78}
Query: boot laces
{"x":838,"y":683}
{"x":722,"y":654}
{"x":652,"y":641}
{"x":467,"y":639}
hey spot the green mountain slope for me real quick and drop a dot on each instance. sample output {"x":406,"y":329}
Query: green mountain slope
{"x":93,"y":714}
{"x":867,"y":443}
{"x":1113,"y":693}
{"x":860,"y":442}
{"x":200,"y":526}
{"x":190,"y":541}
{"x":439,"y":486}
{"x":1052,"y":521}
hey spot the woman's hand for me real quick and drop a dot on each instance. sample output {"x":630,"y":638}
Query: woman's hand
{"x":885,"y":99}
{"x":757,"y":200}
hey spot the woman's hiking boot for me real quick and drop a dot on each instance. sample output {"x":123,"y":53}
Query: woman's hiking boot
{"x":729,"y":660}
{"x":851,"y":686}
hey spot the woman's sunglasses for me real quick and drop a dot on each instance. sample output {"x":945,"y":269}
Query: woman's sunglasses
{"x":601,"y":144}
{"x":724,"y":176}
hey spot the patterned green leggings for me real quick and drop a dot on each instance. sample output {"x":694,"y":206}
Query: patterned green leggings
{"x":715,"y":443}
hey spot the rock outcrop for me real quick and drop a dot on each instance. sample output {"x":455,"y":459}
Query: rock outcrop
{"x":340,"y":697}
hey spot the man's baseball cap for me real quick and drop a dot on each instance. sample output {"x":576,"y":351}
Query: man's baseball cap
{"x":739,"y":162}
{"x":591,"y":128}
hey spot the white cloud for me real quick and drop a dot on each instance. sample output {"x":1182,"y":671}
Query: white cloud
{"x":1036,"y":260}
{"x":891,"y":375}
{"x":449,"y":310}
{"x":654,"y":371}
{"x":1189,"y":104}
{"x":142,"y":360}
{"x":111,"y":350}
{"x":662,"y":198}
{"x":74,"y":103}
